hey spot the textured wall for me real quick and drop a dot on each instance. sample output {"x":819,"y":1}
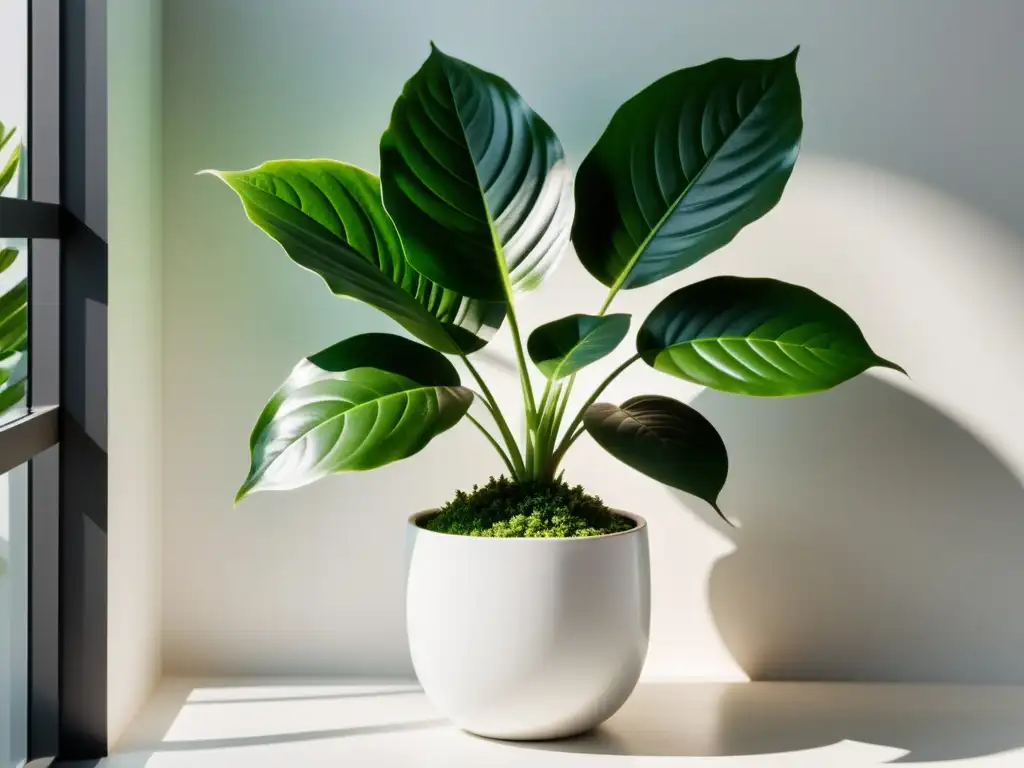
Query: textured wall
{"x":878,"y":519}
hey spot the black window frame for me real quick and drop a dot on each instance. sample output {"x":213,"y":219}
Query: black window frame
{"x":64,"y":434}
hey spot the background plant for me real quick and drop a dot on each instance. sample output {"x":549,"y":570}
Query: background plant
{"x":475,"y":204}
{"x":13,"y":302}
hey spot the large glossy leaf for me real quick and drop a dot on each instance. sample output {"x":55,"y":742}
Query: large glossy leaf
{"x":362,"y":403}
{"x":755,"y":336}
{"x":330,"y":219}
{"x":664,"y":439}
{"x":476,"y":181}
{"x":684,"y":165}
{"x":564,"y":346}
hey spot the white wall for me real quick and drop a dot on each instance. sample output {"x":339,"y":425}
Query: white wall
{"x":135,"y":355}
{"x":879,"y":520}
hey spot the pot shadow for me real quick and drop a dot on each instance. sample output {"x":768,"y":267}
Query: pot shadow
{"x":879,"y":541}
{"x":883,"y":724}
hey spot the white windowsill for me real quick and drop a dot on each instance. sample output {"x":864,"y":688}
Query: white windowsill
{"x":208,"y":724}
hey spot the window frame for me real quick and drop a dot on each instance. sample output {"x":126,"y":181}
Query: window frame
{"x":64,"y":434}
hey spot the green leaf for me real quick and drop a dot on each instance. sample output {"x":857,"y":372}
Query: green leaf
{"x":5,"y":135}
{"x":14,"y":319}
{"x":477,"y":183}
{"x":360,"y":404}
{"x":665,"y":440}
{"x":10,"y":168}
{"x":564,"y":346}
{"x":684,"y":165}
{"x":755,"y":336}
{"x":11,"y":395}
{"x":330,"y":219}
{"x":7,"y":257}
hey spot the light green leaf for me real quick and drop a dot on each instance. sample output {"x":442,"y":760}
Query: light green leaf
{"x":6,"y":134}
{"x":755,"y":336}
{"x":476,"y":182}
{"x":684,"y":165}
{"x":7,"y":257}
{"x":330,"y":219}
{"x":10,"y":168}
{"x":665,"y":440}
{"x":360,"y":404}
{"x":562,"y":347}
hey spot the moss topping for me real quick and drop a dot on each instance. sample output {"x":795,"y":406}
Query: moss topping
{"x":506,"y":509}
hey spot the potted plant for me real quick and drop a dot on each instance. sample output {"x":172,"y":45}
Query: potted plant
{"x":527,"y":600}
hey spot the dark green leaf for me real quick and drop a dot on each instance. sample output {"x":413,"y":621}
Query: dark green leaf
{"x":14,"y":333}
{"x":664,"y":439}
{"x":755,"y":336}
{"x":362,"y":403}
{"x":14,"y":319}
{"x":684,"y":165}
{"x":564,"y":346}
{"x":476,"y":182}
{"x":7,"y":257}
{"x":330,"y":219}
{"x":11,"y":395}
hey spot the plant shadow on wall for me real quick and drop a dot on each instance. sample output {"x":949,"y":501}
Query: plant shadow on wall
{"x":878,"y":540}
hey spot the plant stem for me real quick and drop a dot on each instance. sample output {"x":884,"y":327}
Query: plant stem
{"x":561,"y":406}
{"x":544,"y":397}
{"x":570,"y":437}
{"x":560,"y":413}
{"x":524,"y":373}
{"x":554,"y":421}
{"x":608,"y":299}
{"x":492,"y":441}
{"x":506,"y":433}
{"x":568,"y":443}
{"x":543,"y":436}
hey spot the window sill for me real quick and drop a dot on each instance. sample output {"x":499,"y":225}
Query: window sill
{"x":210,"y":724}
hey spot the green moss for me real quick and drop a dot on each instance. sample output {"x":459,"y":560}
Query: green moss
{"x":503,"y":508}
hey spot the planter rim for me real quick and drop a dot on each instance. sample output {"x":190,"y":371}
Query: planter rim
{"x":639,"y":525}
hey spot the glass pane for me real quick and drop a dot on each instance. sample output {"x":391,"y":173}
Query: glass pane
{"x":13,"y":97}
{"x":13,"y":616}
{"x":13,"y":328}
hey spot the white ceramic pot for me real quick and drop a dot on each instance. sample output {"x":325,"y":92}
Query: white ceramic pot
{"x":528,"y":638}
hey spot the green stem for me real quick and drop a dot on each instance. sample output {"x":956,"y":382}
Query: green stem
{"x":555,"y":410}
{"x":560,"y":408}
{"x":579,"y":431}
{"x":570,"y":437}
{"x":497,"y":447}
{"x":524,"y":372}
{"x":544,"y":397}
{"x":572,"y":379}
{"x":608,"y":299}
{"x":492,"y":406}
{"x":548,"y":406}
